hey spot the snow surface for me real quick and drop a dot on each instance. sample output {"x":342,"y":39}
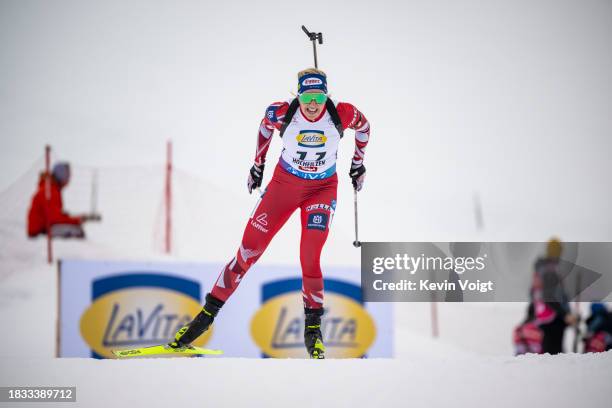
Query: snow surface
{"x":506,"y":100}
{"x":470,"y":365}
{"x":437,"y":377}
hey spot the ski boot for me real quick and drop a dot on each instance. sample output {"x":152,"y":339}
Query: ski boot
{"x":313,"y":339}
{"x":194,"y":329}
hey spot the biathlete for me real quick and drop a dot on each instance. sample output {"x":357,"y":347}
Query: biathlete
{"x":311,"y":127}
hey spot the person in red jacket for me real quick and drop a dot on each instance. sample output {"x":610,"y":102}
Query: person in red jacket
{"x":48,"y":211}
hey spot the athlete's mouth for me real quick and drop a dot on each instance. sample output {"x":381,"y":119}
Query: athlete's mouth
{"x":311,"y":109}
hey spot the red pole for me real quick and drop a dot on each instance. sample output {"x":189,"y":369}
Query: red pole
{"x":169,"y":197}
{"x":434,"y":319}
{"x":434,"y":309}
{"x":48,"y":201}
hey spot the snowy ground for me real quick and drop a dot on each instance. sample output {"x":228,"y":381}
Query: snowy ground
{"x":471,"y":364}
{"x":434,"y":377}
{"x":501,"y":102}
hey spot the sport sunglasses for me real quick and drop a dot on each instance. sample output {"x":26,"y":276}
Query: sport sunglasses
{"x":319,"y":98}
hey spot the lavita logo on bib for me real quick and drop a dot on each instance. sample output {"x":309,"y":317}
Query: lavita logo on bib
{"x":311,"y":138}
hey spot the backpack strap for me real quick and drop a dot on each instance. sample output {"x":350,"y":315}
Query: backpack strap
{"x":293,"y":106}
{"x":329,"y":105}
{"x":333,"y":112}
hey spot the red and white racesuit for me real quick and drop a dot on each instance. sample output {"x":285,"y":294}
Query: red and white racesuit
{"x":305,"y":177}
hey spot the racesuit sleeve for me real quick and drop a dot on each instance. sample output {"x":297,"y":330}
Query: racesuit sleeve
{"x":352,"y":118}
{"x":273,"y":119}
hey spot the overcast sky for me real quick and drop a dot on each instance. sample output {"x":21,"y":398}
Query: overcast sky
{"x":510,"y":99}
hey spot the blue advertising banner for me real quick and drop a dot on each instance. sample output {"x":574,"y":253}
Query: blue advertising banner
{"x":106,"y":306}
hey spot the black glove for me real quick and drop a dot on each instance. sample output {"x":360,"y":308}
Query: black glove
{"x":255,"y":177}
{"x":358,"y":176}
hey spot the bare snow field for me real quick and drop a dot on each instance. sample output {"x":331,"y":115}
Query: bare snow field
{"x":471,"y":364}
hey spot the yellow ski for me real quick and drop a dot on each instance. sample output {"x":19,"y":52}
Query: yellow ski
{"x":164,"y":349}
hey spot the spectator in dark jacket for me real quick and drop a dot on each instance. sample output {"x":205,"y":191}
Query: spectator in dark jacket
{"x":548,"y":310}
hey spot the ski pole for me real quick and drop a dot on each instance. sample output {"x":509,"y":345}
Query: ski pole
{"x":258,"y":191}
{"x":356,"y":243}
{"x":314,"y":37}
{"x":577,"y":334}
{"x":94,"y":192}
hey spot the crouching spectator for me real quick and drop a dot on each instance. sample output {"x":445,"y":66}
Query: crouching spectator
{"x":48,"y":211}
{"x":598,"y":337}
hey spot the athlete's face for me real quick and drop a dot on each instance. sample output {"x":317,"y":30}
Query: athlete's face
{"x":312,"y":109}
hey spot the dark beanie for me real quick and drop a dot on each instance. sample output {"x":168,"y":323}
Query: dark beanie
{"x":61,"y":172}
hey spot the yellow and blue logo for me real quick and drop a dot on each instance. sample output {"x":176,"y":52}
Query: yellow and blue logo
{"x":311,"y":138}
{"x":137,"y":310}
{"x":278,"y":327}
